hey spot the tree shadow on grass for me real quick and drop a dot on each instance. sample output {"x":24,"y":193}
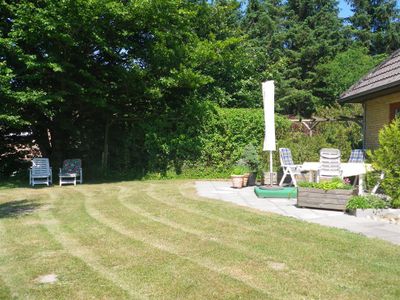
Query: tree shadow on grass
{"x":17,"y":208}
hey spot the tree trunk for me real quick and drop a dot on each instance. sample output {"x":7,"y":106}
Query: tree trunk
{"x":104,"y":162}
{"x":42,"y":139}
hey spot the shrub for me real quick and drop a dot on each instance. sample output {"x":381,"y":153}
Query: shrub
{"x":240,"y":169}
{"x":211,"y":144}
{"x":228,"y":131}
{"x":386,"y":159}
{"x":334,"y":184}
{"x":250,"y":157}
{"x":395,"y":203}
{"x":365,"y":202}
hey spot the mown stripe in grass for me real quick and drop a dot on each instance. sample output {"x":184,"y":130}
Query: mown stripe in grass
{"x":347,"y":269}
{"x":329,"y":241}
{"x":29,"y":251}
{"x":74,"y":248}
{"x":205,"y":228}
{"x":5,"y":292}
{"x":180,"y":244}
{"x":162,"y":269}
{"x":173,"y":249}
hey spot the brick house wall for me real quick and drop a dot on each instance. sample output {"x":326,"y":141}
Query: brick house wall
{"x":377,"y":115}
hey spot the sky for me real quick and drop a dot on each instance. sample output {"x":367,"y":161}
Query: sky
{"x":345,"y":10}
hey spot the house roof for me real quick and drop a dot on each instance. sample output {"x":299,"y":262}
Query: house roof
{"x":384,"y":77}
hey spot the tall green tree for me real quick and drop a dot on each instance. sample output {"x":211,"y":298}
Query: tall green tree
{"x":263,"y":23}
{"x":376,"y":24}
{"x":75,"y":71}
{"x":345,"y":69}
{"x":314,"y":35}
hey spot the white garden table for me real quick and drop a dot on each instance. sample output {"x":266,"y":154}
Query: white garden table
{"x":348,"y":169}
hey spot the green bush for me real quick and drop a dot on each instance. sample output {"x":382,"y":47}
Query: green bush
{"x":215,"y":139}
{"x":371,"y":179}
{"x":228,"y":131}
{"x":250,"y":157}
{"x":386,"y":159}
{"x":334,"y":184}
{"x":240,"y":170}
{"x":364,"y":202}
{"x":395,"y":203}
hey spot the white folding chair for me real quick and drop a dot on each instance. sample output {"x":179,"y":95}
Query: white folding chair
{"x":288,"y":166}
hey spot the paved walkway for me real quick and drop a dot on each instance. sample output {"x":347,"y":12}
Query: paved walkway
{"x":222,"y":190}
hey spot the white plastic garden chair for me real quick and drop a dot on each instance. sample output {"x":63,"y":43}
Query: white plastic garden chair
{"x":288,"y":166}
{"x":40,"y":172}
{"x":329,"y":164}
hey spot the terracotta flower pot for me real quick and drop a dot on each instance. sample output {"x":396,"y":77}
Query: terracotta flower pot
{"x":237,"y":181}
{"x":246,"y":178}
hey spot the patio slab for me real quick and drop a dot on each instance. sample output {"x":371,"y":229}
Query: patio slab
{"x":221,"y":190}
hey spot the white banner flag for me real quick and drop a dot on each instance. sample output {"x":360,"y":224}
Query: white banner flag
{"x":268,"y":92}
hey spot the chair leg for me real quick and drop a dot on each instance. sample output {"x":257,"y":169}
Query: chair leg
{"x":283,"y":177}
{"x":293,"y":178}
{"x":375,"y":188}
{"x":355,"y":181}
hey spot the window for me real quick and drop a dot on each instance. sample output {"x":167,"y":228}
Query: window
{"x":394,"y":110}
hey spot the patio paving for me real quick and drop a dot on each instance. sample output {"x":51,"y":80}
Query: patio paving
{"x":221,"y":190}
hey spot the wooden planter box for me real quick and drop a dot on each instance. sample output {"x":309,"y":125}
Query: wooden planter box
{"x":318,"y":198}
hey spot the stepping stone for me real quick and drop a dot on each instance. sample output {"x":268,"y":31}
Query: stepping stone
{"x":49,"y":278}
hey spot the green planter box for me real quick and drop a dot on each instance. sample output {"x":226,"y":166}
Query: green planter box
{"x":276,"y":192}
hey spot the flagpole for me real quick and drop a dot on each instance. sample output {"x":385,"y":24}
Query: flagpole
{"x":271,"y":175}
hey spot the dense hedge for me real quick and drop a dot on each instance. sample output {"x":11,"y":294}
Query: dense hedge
{"x":205,"y":141}
{"x":226,"y":132}
{"x":230,"y":130}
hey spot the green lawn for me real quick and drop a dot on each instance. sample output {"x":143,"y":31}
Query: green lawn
{"x":159,"y":240}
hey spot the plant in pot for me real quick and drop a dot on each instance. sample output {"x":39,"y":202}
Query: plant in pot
{"x":368,"y":205}
{"x":237,"y":176}
{"x":331,"y":194}
{"x":245,"y":169}
{"x":251,"y":159}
